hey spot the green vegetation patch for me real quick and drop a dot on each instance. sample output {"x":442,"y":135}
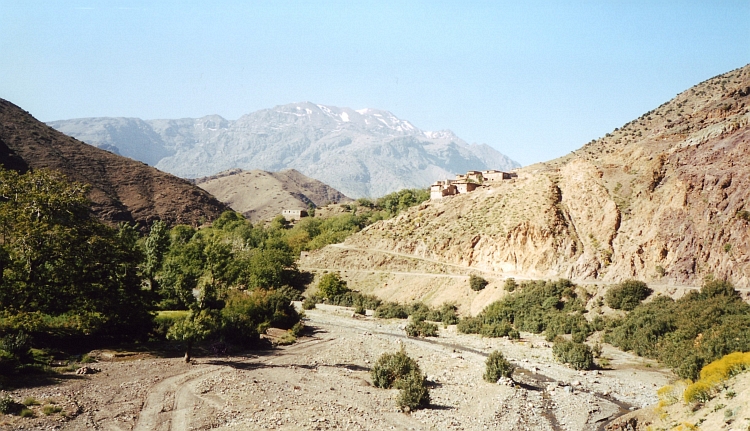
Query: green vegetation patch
{"x":627,"y":295}
{"x":402,"y":372}
{"x":688,"y":333}
{"x":552,"y":307}
{"x":496,"y":367}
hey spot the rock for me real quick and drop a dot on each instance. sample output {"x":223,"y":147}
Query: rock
{"x":88,"y":370}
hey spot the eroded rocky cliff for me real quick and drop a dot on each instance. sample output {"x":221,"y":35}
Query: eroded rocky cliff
{"x":663,"y":198}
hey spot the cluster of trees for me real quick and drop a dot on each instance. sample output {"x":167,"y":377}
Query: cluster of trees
{"x":687,"y":333}
{"x":66,"y":279}
{"x":552,"y":307}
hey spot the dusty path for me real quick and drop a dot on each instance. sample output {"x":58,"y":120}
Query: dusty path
{"x":323,"y":382}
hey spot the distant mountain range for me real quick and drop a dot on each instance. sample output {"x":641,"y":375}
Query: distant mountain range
{"x":365,"y":152}
{"x":261,"y":195}
{"x":122,"y":190}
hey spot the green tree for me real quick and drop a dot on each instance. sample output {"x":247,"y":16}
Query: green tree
{"x":331,"y":285}
{"x":193,"y":328}
{"x":155,"y":247}
{"x":59,"y":260}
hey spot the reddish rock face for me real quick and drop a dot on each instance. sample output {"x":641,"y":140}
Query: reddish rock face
{"x":665,"y":199}
{"x":122,"y":190}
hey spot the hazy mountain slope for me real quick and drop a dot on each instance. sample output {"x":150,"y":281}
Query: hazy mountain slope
{"x":261,"y":195}
{"x":123,"y":190}
{"x":361,"y":153}
{"x":665,"y":198}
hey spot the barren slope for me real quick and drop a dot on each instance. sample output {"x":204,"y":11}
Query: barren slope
{"x":662,"y":199}
{"x":261,"y":195}
{"x":123,"y":190}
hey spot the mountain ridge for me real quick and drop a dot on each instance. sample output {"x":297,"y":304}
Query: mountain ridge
{"x":365,"y":152}
{"x":123,"y":190}
{"x":260,"y":195}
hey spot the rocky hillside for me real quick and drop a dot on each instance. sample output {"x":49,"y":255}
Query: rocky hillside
{"x":664,"y":198}
{"x":366,"y":152}
{"x":261,"y":195}
{"x":123,"y":190}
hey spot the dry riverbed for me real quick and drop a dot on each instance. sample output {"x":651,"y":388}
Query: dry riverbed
{"x":323,"y":382}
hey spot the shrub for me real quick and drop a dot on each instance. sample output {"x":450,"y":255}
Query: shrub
{"x":391,"y":310}
{"x":470,"y":325}
{"x":309,"y":303}
{"x":331,"y":285}
{"x":351,"y":298}
{"x":9,"y":407}
{"x":413,"y":393}
{"x":715,"y":373}
{"x":577,"y":355}
{"x":627,"y":295}
{"x":448,"y":313}
{"x":391,"y":367}
{"x":30,"y":401}
{"x":497,"y":366}
{"x":510,"y":284}
{"x":688,"y":333}
{"x":400,"y":371}
{"x":50,"y":409}
{"x":477,"y":283}
{"x":360,"y":309}
{"x":420,"y":328}
{"x":496,"y":330}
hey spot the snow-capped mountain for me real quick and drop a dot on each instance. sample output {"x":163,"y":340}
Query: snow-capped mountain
{"x":365,"y":152}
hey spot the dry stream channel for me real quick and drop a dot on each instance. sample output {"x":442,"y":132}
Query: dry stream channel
{"x":323,"y":382}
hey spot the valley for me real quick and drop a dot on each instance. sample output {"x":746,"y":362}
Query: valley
{"x":323,"y":382}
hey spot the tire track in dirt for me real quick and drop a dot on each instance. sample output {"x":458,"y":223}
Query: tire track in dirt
{"x":168,"y":402}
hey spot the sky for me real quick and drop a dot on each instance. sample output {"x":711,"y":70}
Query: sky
{"x":535,"y":80}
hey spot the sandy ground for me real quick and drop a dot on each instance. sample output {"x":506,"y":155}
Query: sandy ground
{"x":323,"y":382}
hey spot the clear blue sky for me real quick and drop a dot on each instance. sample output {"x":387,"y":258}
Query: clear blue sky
{"x":535,"y":80}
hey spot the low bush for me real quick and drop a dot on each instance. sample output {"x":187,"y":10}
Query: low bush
{"x":9,"y":407}
{"x":51,"y":409}
{"x":477,"y":283}
{"x":420,"y":328}
{"x":402,"y":372}
{"x":577,"y":355}
{"x":510,"y":284}
{"x":497,"y":366}
{"x":413,"y":393}
{"x":470,"y":325}
{"x":352,"y":298}
{"x":627,"y":295}
{"x":496,"y":330}
{"x":391,"y":310}
{"x":390,"y":367}
{"x":715,"y":373}
{"x":552,"y":307}
{"x":309,"y":303}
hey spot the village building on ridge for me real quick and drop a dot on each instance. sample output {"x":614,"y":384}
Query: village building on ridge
{"x":466,"y":183}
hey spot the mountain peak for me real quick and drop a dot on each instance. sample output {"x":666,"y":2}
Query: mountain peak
{"x":364,"y":152}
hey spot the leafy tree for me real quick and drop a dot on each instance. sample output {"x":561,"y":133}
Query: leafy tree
{"x":331,"y":285}
{"x":627,"y":295}
{"x":477,"y":283}
{"x":61,"y":261}
{"x":195,"y":327}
